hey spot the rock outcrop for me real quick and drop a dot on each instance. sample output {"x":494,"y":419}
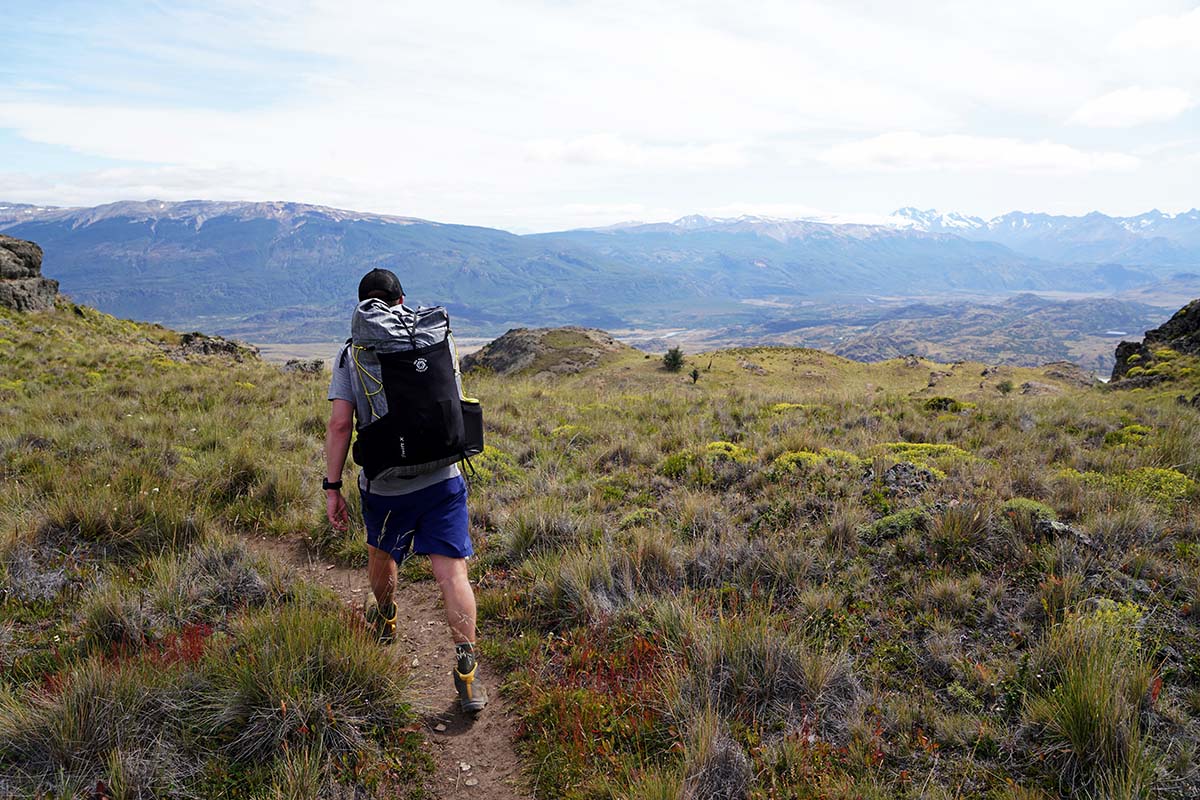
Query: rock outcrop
{"x":22,"y":286}
{"x":554,"y":351}
{"x":1180,"y":335}
{"x":1069,"y":373}
{"x":201,"y":344}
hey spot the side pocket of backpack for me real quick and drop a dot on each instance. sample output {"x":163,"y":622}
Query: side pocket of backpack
{"x":472,"y":413}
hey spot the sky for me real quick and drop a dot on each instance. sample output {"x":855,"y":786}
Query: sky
{"x":534,"y":116}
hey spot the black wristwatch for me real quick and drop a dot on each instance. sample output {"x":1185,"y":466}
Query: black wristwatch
{"x":327,"y":484}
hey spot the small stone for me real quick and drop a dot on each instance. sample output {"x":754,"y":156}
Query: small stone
{"x":416,"y":662}
{"x":464,"y":766}
{"x":471,"y":781}
{"x":440,"y":727}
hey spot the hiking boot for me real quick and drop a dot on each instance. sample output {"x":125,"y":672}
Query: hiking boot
{"x":382,"y":625}
{"x":472,"y":697}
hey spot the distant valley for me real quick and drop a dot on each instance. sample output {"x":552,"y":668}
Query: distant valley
{"x":945,"y":285}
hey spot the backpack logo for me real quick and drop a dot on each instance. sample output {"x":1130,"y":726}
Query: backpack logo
{"x":421,"y":364}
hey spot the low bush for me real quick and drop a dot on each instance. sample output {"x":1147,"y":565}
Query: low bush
{"x":894,"y":525}
{"x":752,"y":672}
{"x":1092,"y":682}
{"x":299,"y":676}
{"x":122,"y":723}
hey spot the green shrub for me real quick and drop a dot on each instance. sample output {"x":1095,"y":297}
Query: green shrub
{"x":1163,"y":487}
{"x":942,"y":404}
{"x":571,"y":435}
{"x":1158,"y":485}
{"x":799,"y":462}
{"x":925,"y":454}
{"x":893,"y":525}
{"x":673,"y":360}
{"x":794,"y":462}
{"x":727,"y":451}
{"x":492,"y":466}
{"x":1130,"y":434}
{"x":782,"y":408}
{"x":698,"y":464}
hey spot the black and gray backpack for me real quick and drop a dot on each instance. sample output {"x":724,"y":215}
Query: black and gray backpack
{"x":419,"y":419}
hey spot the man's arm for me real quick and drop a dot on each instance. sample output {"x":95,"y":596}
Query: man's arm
{"x":337,"y":443}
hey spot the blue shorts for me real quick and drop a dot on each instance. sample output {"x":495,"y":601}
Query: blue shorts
{"x":432,"y":520}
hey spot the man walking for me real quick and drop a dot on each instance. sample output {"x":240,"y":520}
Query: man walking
{"x":425,"y":514}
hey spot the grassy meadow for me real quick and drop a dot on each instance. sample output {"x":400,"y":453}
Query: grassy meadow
{"x":144,"y":650}
{"x":794,"y":577}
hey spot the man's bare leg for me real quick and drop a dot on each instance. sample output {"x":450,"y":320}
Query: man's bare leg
{"x":457,"y":594}
{"x":451,"y":575}
{"x":381,"y":572}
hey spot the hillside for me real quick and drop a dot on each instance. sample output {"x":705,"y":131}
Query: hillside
{"x":1023,"y":329}
{"x":799,"y":576}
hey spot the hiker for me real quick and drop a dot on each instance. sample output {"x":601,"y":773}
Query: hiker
{"x":406,"y":509}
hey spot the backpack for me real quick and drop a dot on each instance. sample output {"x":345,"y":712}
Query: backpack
{"x":420,"y":420}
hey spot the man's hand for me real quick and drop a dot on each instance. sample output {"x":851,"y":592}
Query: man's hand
{"x":335,"y":510}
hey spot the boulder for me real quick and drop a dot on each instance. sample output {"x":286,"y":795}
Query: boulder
{"x":1180,"y":333}
{"x":309,"y":366}
{"x":1036,"y":387}
{"x":22,"y":287}
{"x":1069,"y":373}
{"x":200,"y":344}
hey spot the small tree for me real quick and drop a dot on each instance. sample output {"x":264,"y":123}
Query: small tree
{"x":673,"y":360}
{"x":694,"y":374}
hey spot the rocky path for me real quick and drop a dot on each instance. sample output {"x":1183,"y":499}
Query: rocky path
{"x":475,"y":757}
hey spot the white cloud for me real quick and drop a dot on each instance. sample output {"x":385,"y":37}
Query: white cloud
{"x":1163,"y":31}
{"x":615,"y":151}
{"x":1125,"y":108}
{"x":535,"y":114}
{"x":908,"y":151}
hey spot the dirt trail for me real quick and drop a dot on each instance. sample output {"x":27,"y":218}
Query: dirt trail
{"x":475,"y":757}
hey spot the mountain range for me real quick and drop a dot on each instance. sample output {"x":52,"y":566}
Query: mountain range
{"x":1153,"y":238}
{"x":281,"y":271}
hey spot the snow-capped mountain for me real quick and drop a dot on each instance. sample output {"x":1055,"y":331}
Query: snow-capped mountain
{"x":934,"y":221}
{"x":1150,"y":239}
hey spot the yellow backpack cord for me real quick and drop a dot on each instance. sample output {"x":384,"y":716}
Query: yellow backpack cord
{"x":363,"y":374}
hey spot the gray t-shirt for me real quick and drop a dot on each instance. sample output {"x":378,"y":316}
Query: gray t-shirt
{"x":365,"y":392}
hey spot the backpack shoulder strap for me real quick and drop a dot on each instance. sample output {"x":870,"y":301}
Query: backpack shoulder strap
{"x":345,"y":349}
